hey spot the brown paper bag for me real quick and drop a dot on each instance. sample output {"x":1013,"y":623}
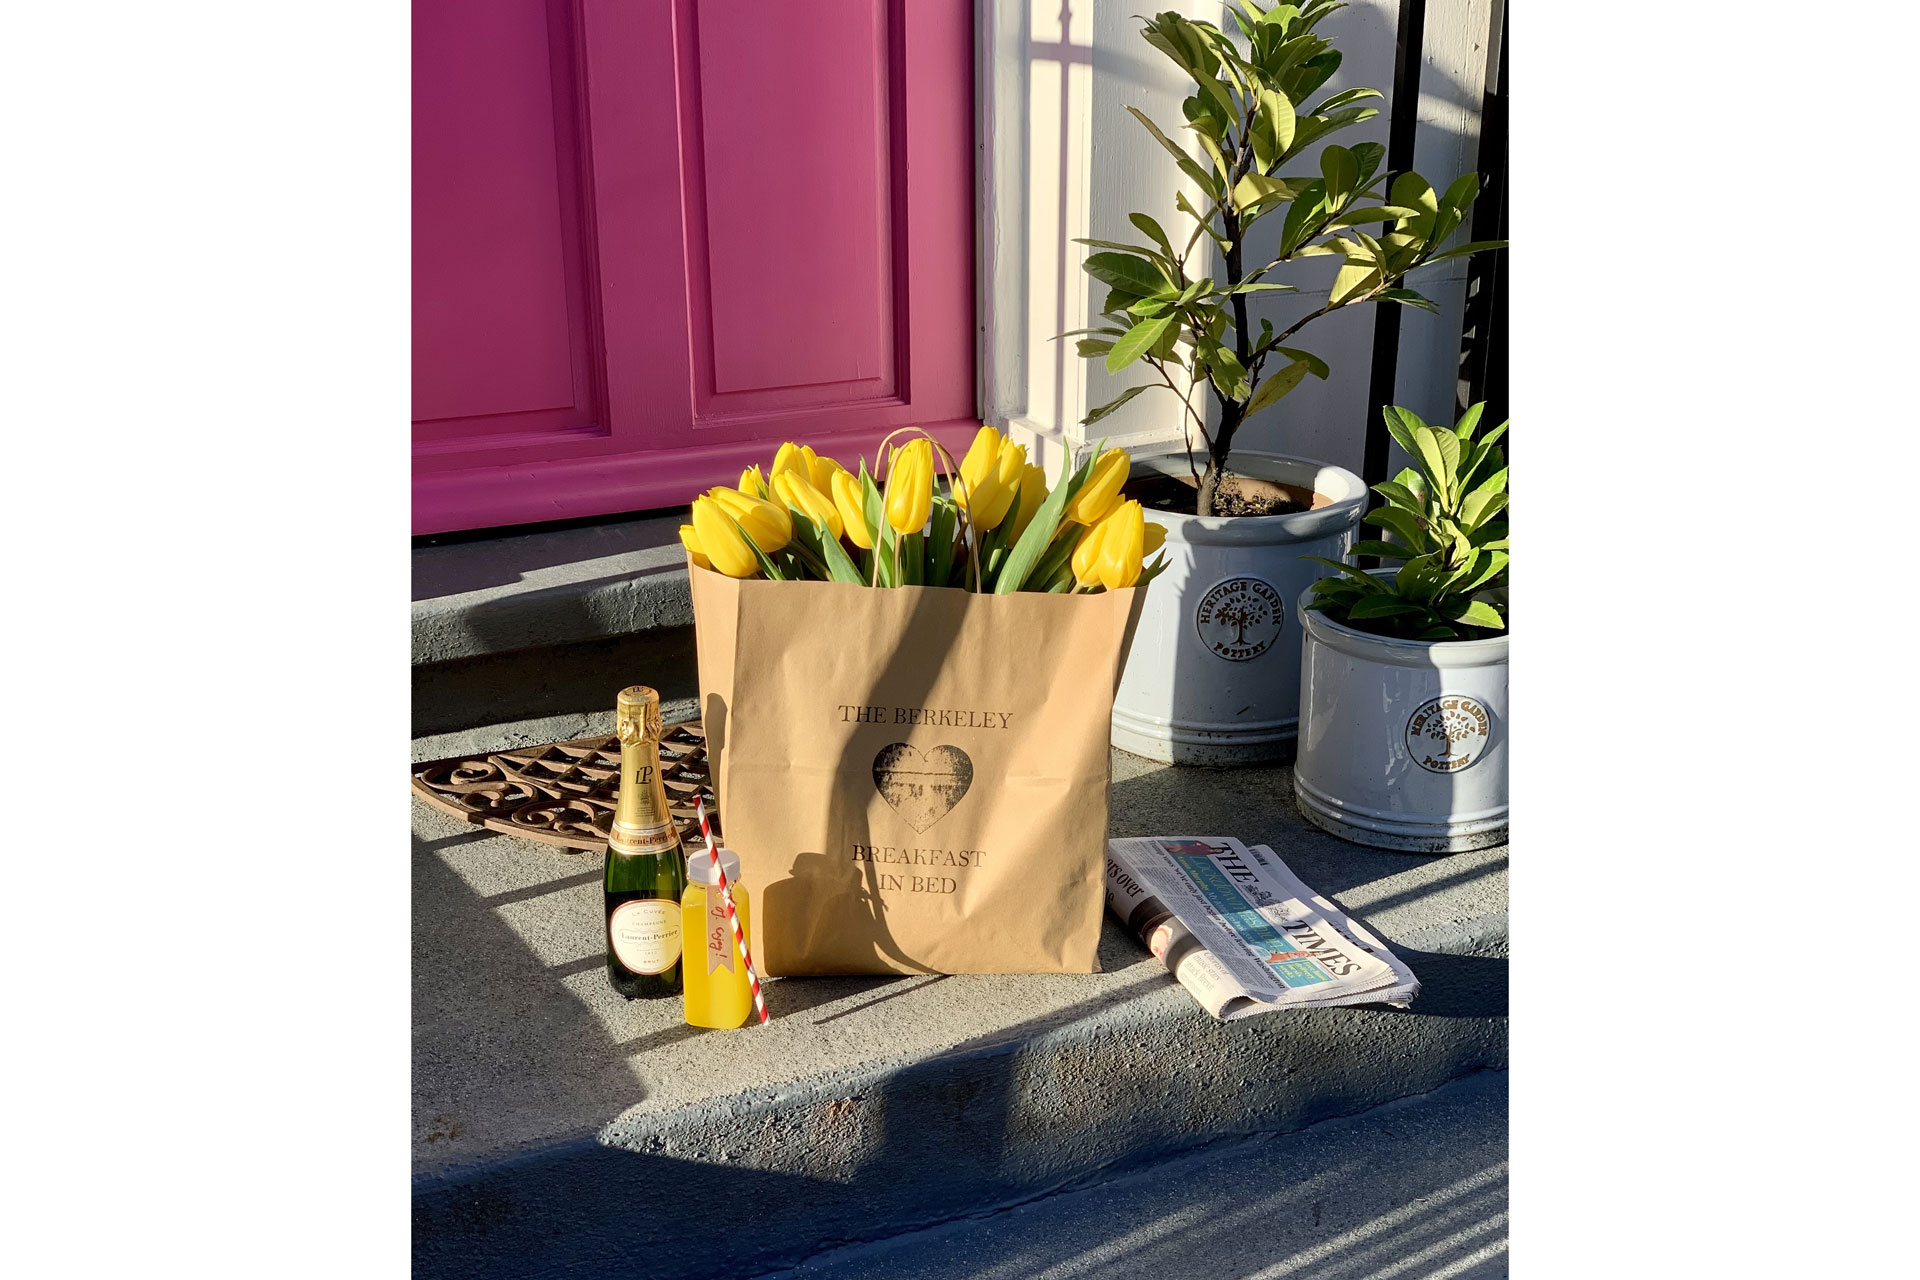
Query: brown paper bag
{"x":915,"y":778}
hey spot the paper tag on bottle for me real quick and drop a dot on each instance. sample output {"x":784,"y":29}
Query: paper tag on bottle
{"x":719,"y":934}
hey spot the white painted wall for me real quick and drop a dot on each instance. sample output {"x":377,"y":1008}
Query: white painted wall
{"x":1061,"y":158}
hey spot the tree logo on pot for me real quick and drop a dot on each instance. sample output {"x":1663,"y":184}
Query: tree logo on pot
{"x":922,"y":787}
{"x":1449,"y":733}
{"x":1239,"y":618}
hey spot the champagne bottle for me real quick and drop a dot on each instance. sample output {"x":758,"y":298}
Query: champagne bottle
{"x":646,"y":870}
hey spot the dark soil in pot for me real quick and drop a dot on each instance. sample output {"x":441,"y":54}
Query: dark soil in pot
{"x":1238,"y":495}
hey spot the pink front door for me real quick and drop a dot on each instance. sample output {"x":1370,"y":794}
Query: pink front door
{"x":653,"y":237}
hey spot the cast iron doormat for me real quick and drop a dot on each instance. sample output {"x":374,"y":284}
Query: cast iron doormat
{"x":563,"y":793}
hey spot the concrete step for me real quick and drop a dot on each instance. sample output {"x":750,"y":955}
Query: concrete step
{"x":561,"y":1130}
{"x":1416,"y":1187}
{"x":521,"y":626}
{"x":474,"y":596}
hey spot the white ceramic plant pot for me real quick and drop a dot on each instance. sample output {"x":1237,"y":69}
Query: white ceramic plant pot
{"x":1403,"y":743}
{"x":1213,"y":677}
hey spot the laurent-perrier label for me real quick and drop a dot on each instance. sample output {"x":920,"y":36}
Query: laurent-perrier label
{"x":645,"y":933}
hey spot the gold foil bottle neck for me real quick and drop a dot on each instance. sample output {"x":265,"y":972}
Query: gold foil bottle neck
{"x":636,"y":715}
{"x":641,"y":821}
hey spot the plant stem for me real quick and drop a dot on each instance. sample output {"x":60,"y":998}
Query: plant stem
{"x":1187,"y":401}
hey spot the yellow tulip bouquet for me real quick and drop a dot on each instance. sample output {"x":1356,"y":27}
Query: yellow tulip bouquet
{"x":997,"y":528}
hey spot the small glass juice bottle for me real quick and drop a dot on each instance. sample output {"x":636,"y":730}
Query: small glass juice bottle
{"x":715,"y":981}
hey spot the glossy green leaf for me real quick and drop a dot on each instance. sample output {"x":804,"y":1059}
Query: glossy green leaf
{"x":840,"y":566}
{"x":1340,"y":171}
{"x":1404,"y":524}
{"x":1368,"y":583}
{"x":1303,"y":216}
{"x":1469,"y":420}
{"x":1314,"y":128}
{"x":1399,"y":494}
{"x":1188,"y":165}
{"x":1353,"y":279}
{"x":1276,"y":386}
{"x":1479,"y":507}
{"x":1408,"y":298}
{"x":1151,"y":229}
{"x":1315,"y":365}
{"x":1219,"y":158}
{"x":1372,"y":213}
{"x":1401,"y":424}
{"x":1461,"y":192}
{"x":1206,"y":221}
{"x":940,"y":534}
{"x":1305,"y":80}
{"x":1412,"y":190}
{"x":1114,"y":403}
{"x":1125,"y":271}
{"x":1477,"y":613}
{"x":1345,"y":97}
{"x":1439,"y":453}
{"x":1137,"y":341}
{"x":1256,"y":191}
{"x":912,"y":559}
{"x":1141,"y":250}
{"x":1461,"y":251}
{"x":1487,"y":567}
{"x":1278,"y":115}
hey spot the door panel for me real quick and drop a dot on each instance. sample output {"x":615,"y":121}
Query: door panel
{"x":792,"y":171}
{"x":498,"y":272}
{"x":727,"y":246}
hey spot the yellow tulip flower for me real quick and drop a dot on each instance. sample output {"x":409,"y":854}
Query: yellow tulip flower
{"x":753,"y":484}
{"x":910,"y":487}
{"x":724,"y":547}
{"x":1155,"y":538}
{"x":990,"y":478}
{"x":792,"y":488}
{"x":1120,"y":546}
{"x":691,"y":541}
{"x":851,"y":501}
{"x":823,"y":471}
{"x":767,"y":523}
{"x":1086,"y":555}
{"x":1109,"y":553}
{"x":1101,"y":493}
{"x":786,"y":459}
{"x":1033,"y":492}
{"x":1003,"y":488}
{"x":981,"y":455}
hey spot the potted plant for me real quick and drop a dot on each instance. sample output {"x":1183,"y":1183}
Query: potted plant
{"x":1213,"y":674}
{"x":1403,"y":676}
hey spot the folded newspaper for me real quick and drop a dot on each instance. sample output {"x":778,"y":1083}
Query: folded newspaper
{"x":1242,"y":933}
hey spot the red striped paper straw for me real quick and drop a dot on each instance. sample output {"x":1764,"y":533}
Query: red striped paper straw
{"x":733,"y":917}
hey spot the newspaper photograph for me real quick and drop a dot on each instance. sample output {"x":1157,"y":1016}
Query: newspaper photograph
{"x":1242,"y":933}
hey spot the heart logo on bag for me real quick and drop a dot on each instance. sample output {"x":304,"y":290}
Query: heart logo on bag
{"x":922,"y":787}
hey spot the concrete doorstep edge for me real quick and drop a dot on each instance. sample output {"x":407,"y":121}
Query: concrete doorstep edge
{"x":792,"y":1169}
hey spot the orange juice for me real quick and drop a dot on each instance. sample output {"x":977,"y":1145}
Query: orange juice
{"x":714,"y":979}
